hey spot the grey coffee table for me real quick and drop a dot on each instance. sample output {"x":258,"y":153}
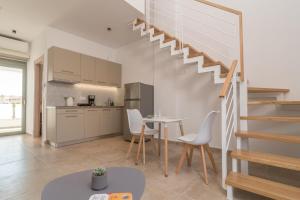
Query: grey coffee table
{"x":77,"y":186}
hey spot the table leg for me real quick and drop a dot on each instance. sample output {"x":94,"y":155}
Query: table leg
{"x":166,"y":133}
{"x":181,"y":128}
{"x":182,"y":134}
{"x":159,"y":138}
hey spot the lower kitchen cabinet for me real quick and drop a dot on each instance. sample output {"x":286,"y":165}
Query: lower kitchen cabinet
{"x":92,"y":125}
{"x":117,"y":114}
{"x":106,"y":121}
{"x":70,"y":127}
{"x":73,"y":125}
{"x":111,"y":120}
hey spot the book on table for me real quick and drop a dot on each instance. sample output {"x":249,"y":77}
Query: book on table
{"x":112,"y":196}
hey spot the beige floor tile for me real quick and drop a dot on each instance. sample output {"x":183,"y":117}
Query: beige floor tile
{"x":26,"y":167}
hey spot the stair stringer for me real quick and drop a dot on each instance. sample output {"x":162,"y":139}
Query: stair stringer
{"x":199,"y":60}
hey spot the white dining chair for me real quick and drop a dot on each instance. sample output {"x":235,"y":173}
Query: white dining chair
{"x":201,"y":141}
{"x":139,"y":130}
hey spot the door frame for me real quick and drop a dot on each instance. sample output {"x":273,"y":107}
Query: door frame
{"x":38,"y":95}
{"x":18,"y":65}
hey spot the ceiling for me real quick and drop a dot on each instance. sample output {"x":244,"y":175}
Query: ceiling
{"x":85,"y":18}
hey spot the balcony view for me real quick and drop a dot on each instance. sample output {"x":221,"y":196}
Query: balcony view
{"x":10,"y":100}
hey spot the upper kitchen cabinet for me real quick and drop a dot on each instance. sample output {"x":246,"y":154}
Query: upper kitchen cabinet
{"x":88,"y":69}
{"x":114,"y":74}
{"x":63,"y":65}
{"x":71,"y":67}
{"x":102,"y":72}
{"x":108,"y":73}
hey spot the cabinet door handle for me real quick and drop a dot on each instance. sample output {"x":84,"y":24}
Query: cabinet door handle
{"x":72,"y":111}
{"x":71,"y":116}
{"x":66,"y":71}
{"x":92,"y":110}
{"x":87,"y":80}
{"x":101,"y":82}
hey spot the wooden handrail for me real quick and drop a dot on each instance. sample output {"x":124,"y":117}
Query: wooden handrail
{"x":228,"y":80}
{"x":221,"y":7}
{"x":241,"y":30}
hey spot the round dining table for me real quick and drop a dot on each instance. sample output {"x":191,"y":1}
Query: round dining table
{"x":77,"y":186}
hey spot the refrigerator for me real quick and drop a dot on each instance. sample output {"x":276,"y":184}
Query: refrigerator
{"x":137,"y":96}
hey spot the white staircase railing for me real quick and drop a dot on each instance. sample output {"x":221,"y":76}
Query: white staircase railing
{"x":229,"y":116}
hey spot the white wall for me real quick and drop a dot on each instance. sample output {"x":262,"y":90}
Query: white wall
{"x":179,"y":90}
{"x":37,"y":49}
{"x":72,"y":42}
{"x":271,"y":42}
{"x":137,"y":4}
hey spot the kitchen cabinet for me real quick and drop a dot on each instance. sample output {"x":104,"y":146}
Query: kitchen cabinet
{"x":114,"y":74}
{"x":92,"y":122}
{"x":116,"y":118}
{"x":88,"y":69}
{"x":63,"y":65}
{"x":73,"y":125}
{"x":70,"y":126}
{"x":108,"y":73}
{"x":102,"y":72}
{"x":106,"y":121}
{"x":71,"y":67}
{"x":111,"y":120}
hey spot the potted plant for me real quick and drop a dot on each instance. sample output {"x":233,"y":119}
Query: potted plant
{"x":99,"y":179}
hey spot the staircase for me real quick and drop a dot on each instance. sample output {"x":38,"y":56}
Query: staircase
{"x":190,"y":54}
{"x":258,"y":185}
{"x":232,"y":78}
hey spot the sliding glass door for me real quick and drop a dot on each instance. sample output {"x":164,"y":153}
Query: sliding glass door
{"x":12,"y":97}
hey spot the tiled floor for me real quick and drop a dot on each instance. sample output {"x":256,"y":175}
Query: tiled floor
{"x":26,"y":167}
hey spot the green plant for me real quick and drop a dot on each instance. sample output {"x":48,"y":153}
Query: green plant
{"x":99,"y":171}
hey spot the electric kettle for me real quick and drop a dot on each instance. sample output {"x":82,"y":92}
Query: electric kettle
{"x":69,"y":101}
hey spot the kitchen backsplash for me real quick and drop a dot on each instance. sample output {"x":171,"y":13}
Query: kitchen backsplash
{"x":57,"y":91}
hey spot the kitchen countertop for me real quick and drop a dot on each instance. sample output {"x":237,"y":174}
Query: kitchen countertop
{"x":78,"y":107}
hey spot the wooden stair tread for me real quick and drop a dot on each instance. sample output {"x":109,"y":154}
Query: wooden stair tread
{"x":268,"y":159}
{"x":267,"y":90}
{"x":269,"y":136}
{"x":276,"y":102}
{"x":272,"y":118}
{"x":195,"y":54}
{"x":168,"y":40}
{"x":263,"y":187}
{"x":139,"y":21}
{"x":156,"y":33}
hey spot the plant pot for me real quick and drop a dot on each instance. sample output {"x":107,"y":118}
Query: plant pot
{"x":99,"y":182}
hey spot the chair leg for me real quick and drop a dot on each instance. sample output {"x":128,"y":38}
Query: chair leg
{"x":191,"y":156}
{"x":204,"y":163}
{"x":130,"y":146}
{"x":140,"y":145}
{"x":182,"y":158}
{"x":144,"y":151}
{"x":210,"y":155}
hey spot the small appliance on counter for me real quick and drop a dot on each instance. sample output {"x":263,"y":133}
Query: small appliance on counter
{"x":69,"y":101}
{"x":109,"y":102}
{"x":91,"y":99}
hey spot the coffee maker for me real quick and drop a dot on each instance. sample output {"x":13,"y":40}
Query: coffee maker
{"x":91,"y":99}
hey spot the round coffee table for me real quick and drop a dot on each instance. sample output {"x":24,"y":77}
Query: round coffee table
{"x":77,"y":186}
